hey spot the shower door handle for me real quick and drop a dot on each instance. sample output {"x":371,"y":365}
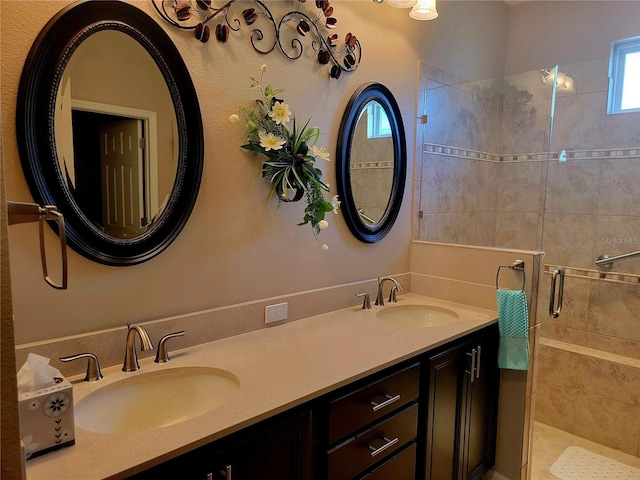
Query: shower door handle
{"x":554,"y":310}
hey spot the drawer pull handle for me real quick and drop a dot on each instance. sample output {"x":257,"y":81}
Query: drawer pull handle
{"x":473,"y":371}
{"x":376,"y":451}
{"x":389,"y":400}
{"x":227,"y":473}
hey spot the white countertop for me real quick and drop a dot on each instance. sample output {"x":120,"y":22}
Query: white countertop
{"x":278,"y":368}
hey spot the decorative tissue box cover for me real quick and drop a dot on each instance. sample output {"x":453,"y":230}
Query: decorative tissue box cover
{"x":46,"y":418}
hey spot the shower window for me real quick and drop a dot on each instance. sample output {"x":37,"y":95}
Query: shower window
{"x":624,"y":70}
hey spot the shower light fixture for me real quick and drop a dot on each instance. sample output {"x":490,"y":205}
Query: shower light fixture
{"x":422,"y":9}
{"x":564,"y":83}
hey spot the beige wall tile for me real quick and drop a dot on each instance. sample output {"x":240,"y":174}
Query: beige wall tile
{"x":519,"y":186}
{"x":579,"y":121}
{"x":564,"y":334}
{"x":455,"y":291}
{"x":516,"y":230}
{"x":470,"y":264}
{"x":511,"y":422}
{"x":622,"y":130}
{"x":627,"y":348}
{"x":608,"y":422}
{"x":528,"y":419}
{"x":558,"y":366}
{"x":569,"y":239}
{"x":614,"y":309}
{"x":608,"y":379}
{"x":526,"y":126}
{"x":619,"y":187}
{"x":555,"y":405}
{"x":573,"y":186}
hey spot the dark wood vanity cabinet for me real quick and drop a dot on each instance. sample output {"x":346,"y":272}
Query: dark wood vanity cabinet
{"x":279,"y":449}
{"x":372,"y":424}
{"x":433,"y":417}
{"x":282,"y":452}
{"x":461,"y":409}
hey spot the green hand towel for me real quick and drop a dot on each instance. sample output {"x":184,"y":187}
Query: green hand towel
{"x":513,"y":323}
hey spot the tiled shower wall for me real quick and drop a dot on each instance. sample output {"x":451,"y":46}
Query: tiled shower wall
{"x":483,"y":156}
{"x":483,"y":179}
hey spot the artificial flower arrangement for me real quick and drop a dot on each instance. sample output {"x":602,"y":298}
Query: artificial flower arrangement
{"x":290,"y":154}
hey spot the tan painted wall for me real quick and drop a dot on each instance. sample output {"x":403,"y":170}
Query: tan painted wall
{"x":543,"y":34}
{"x":234,"y":249}
{"x":11,"y":466}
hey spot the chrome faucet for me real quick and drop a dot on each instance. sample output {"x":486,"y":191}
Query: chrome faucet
{"x":130,"y":355}
{"x":380,"y":295}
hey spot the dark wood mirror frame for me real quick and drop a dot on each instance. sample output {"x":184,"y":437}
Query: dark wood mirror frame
{"x":39,"y":84}
{"x":365,"y":94}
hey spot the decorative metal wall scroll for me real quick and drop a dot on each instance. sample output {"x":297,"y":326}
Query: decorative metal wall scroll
{"x":198,"y":15}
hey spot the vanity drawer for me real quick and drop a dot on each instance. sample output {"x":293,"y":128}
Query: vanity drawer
{"x":357,"y":409}
{"x":401,"y":467}
{"x":362,"y":451}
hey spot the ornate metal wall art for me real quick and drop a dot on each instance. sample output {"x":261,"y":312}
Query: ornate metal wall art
{"x":200,"y":16}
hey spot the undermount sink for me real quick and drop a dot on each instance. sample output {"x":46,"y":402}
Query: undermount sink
{"x":155,"y":399}
{"x":418,"y":315}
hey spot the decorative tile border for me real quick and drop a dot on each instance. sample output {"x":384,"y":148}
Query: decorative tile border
{"x":459,"y":152}
{"x":617,"y":277}
{"x":598,"y":154}
{"x":371,"y":165}
{"x":529,"y":157}
{"x":601,"y":154}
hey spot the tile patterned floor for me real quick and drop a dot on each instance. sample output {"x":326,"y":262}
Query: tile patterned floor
{"x":550,"y":442}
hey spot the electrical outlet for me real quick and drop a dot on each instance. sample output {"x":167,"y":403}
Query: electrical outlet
{"x":275,"y":313}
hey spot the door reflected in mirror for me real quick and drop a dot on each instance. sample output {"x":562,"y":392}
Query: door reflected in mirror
{"x":109,"y":129}
{"x":372,"y":163}
{"x":116,"y":134}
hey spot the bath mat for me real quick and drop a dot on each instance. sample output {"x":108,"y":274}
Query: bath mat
{"x":576,"y":463}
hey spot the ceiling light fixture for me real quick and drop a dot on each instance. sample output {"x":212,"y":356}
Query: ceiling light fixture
{"x":401,"y":3}
{"x":422,"y":9}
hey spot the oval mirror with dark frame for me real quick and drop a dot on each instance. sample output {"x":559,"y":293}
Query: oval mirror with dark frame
{"x":110,"y":132}
{"x":371,"y":162}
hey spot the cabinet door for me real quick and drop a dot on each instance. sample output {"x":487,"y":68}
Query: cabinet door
{"x":462,"y":410}
{"x":480,"y":396}
{"x":443,"y":415}
{"x":280,"y":453}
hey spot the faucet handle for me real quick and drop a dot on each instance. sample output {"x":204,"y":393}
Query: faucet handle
{"x":162,"y":354}
{"x":93,"y":366}
{"x":392,"y":295}
{"x":366,"y":301}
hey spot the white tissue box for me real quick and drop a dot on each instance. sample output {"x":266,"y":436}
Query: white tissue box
{"x":46,"y":418}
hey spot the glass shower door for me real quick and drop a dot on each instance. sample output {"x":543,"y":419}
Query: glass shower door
{"x":588,"y":380}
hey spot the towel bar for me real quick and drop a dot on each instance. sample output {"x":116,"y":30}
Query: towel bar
{"x":517,"y":265}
